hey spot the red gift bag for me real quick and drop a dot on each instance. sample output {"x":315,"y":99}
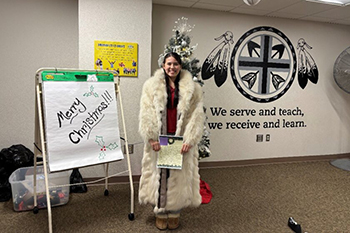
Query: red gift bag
{"x":205,"y":192}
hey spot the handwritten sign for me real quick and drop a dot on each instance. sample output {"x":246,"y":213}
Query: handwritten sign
{"x":170,"y":154}
{"x":81,"y":124}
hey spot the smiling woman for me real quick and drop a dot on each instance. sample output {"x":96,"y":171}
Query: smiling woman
{"x":172,"y":65}
{"x":171,"y":104}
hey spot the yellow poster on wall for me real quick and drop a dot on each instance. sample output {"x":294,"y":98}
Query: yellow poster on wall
{"x":120,"y":57}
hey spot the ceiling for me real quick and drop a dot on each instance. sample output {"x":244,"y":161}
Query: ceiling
{"x":291,"y":9}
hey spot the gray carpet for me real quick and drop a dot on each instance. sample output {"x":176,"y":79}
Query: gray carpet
{"x":250,"y":199}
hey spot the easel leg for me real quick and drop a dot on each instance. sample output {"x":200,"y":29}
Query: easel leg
{"x":106,"y":179}
{"x":131,"y":215}
{"x":44,"y":158}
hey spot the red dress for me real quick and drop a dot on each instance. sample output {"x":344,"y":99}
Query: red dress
{"x":171,"y":114}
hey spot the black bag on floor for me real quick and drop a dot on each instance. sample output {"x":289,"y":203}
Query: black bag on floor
{"x":76,"y":178}
{"x":12,"y":158}
{"x":5,"y":190}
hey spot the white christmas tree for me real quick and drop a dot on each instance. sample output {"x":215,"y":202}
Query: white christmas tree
{"x":180,"y":44}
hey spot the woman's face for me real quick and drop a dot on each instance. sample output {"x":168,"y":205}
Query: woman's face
{"x":171,"y":67}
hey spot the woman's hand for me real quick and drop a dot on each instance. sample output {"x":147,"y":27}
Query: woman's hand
{"x":185,"y":148}
{"x":155,"y":145}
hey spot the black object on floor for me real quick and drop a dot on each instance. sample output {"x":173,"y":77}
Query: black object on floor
{"x":12,"y":158}
{"x":294,"y":225}
{"x":76,"y":178}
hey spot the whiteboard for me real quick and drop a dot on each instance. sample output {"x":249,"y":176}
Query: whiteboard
{"x":81,"y":123}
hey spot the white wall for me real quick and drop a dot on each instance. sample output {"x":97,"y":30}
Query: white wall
{"x":42,"y":33}
{"x":325,"y":106}
{"x":34,"y":34}
{"x":49,"y":33}
{"x":120,"y":21}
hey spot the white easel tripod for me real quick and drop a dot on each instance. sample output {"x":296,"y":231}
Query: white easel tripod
{"x":40,"y":139}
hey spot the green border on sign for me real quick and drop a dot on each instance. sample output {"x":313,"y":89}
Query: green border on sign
{"x":76,"y":76}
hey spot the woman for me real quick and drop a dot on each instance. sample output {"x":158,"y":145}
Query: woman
{"x":171,"y":103}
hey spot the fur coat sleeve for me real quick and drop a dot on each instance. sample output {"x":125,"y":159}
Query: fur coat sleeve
{"x":183,"y":185}
{"x":149,"y":126}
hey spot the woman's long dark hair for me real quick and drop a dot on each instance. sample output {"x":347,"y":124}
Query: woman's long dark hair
{"x":176,"y":94}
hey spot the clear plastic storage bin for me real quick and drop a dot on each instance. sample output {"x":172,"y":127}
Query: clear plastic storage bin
{"x":22,"y":183}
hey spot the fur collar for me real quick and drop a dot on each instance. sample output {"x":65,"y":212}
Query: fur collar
{"x":186,"y":89}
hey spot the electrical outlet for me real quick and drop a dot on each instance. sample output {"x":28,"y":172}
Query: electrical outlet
{"x":130,"y":147}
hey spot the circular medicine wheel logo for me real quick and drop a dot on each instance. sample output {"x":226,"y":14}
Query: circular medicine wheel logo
{"x":263,"y":64}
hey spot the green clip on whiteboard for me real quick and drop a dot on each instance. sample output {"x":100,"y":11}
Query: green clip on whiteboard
{"x":81,"y":119}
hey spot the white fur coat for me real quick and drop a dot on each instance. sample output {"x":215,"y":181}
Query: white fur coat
{"x":183,"y":185}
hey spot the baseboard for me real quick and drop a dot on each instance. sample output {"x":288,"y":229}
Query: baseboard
{"x":221,"y":164}
{"x":253,"y":162}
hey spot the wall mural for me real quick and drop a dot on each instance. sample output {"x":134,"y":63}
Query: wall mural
{"x":307,"y":67}
{"x":263,"y":67}
{"x":263,"y":64}
{"x":217,"y":61}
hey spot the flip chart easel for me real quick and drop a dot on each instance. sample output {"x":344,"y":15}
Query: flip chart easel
{"x":95,"y":113}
